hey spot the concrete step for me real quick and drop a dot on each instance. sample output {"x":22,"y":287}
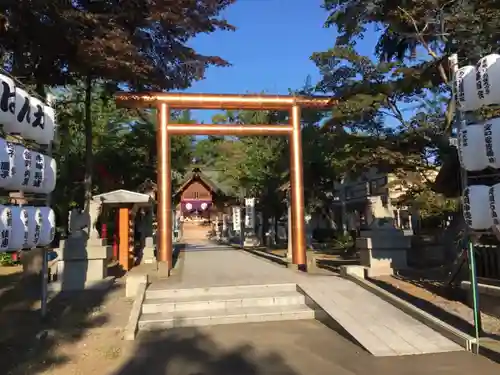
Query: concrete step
{"x":223,"y":302}
{"x":238,"y":290}
{"x":225,"y":316}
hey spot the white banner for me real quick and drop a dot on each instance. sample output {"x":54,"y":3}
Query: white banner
{"x":237,"y":219}
{"x":250,"y":213}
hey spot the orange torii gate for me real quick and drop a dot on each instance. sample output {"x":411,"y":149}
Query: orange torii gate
{"x":165,"y":102}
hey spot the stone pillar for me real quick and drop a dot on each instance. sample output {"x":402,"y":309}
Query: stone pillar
{"x":251,"y":239}
{"x":148,"y":254}
{"x":383,"y":250}
{"x":82,"y":259}
{"x":289,"y":233}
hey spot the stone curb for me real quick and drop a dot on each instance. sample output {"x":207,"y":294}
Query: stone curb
{"x":448,"y":331}
{"x":135,"y":313}
{"x":271,"y":258}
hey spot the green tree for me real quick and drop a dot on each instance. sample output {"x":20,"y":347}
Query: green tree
{"x":140,"y":44}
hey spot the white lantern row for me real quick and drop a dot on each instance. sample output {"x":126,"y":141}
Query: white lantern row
{"x":26,"y":170}
{"x":26,"y":227}
{"x":21,"y":113}
{"x":478,"y":86}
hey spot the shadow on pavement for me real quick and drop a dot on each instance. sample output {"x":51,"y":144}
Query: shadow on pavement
{"x":189,"y":351}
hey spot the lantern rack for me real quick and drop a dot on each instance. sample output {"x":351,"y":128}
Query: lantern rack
{"x":488,"y":177}
{"x":21,"y":198}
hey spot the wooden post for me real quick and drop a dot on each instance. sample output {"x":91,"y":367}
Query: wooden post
{"x":123,"y":238}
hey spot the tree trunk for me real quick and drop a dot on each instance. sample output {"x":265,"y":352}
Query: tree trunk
{"x":88,"y":144}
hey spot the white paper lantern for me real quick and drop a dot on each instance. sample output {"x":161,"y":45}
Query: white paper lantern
{"x":5,"y":233}
{"x":204,"y":206}
{"x":50,"y":176}
{"x":472,"y":148}
{"x":19,"y":233}
{"x":465,"y":89}
{"x":7,"y":107}
{"x":5,"y":228}
{"x":189,"y":206}
{"x":49,"y":126}
{"x":22,"y":168}
{"x":48,"y":226}
{"x":477,"y":211}
{"x":34,"y":130}
{"x":6,"y":162}
{"x":487,"y":76}
{"x":34,"y":226}
{"x":23,"y":111}
{"x":37,"y":173}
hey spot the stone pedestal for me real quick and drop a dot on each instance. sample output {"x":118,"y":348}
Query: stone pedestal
{"x":32,"y":261}
{"x":81,"y":263}
{"x":251,"y":241}
{"x":148,"y":254}
{"x":383,"y":250}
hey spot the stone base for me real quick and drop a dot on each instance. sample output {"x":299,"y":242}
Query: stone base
{"x":383,"y":258}
{"x":163,"y":271}
{"x":312,"y":264}
{"x":81,"y":262}
{"x":358,"y":271}
{"x":251,"y":242}
{"x":383,"y":251}
{"x":148,"y":255}
{"x":32,"y":261}
{"x":380,"y":271}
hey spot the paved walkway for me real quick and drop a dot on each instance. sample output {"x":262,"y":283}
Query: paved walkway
{"x":377,"y":325}
{"x":282,"y":348}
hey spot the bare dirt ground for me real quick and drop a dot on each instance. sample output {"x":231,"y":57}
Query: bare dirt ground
{"x":79,"y":327}
{"x":443,"y":302}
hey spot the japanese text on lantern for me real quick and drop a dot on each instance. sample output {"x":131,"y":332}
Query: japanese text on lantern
{"x":489,"y":143}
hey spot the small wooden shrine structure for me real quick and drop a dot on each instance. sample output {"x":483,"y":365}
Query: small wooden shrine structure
{"x":125,"y":204}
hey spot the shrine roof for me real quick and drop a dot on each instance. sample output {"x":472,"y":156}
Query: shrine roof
{"x":122,"y":196}
{"x":197,"y":174}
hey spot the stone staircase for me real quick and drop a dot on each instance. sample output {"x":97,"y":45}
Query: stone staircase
{"x":170,"y":308}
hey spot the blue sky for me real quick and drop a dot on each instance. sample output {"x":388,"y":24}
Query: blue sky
{"x":270,"y":49}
